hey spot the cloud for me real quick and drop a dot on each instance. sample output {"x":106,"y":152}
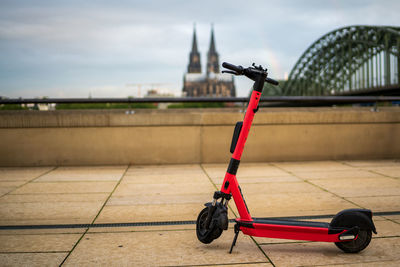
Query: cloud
{"x":74,"y":46}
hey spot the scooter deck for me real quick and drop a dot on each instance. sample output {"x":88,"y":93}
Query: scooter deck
{"x":289,"y":229}
{"x":290,"y":222}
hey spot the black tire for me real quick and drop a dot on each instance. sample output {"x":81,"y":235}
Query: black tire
{"x":217,"y":232}
{"x":204,"y":235}
{"x":355,"y":246}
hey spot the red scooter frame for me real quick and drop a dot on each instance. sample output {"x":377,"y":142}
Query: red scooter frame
{"x":350,"y":229}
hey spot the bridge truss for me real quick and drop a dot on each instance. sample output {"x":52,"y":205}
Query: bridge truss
{"x":353,"y":60}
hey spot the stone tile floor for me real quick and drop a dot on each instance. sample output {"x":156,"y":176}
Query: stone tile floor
{"x":58,"y":196}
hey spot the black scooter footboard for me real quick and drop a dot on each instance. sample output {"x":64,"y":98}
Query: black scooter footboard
{"x":290,"y":222}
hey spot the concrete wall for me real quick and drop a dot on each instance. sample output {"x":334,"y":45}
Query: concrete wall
{"x":33,"y":138}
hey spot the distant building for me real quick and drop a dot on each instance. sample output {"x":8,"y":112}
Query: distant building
{"x":157,"y":93}
{"x":212,"y":83}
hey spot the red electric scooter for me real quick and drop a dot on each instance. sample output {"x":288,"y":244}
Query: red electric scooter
{"x":350,"y":229}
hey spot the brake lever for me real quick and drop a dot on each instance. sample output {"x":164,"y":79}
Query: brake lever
{"x":230,"y":72}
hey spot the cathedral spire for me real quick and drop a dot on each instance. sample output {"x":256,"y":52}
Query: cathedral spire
{"x":194,"y":57}
{"x":194,"y":42}
{"x":212,"y":83}
{"x":212,"y":55}
{"x":212,"y":41}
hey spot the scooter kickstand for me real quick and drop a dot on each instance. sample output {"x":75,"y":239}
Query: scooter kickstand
{"x":237,"y":230}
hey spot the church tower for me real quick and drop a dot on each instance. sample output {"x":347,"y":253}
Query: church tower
{"x":209,"y":84}
{"x":212,"y":56}
{"x":194,"y":57}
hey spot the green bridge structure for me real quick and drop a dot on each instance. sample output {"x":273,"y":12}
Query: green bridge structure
{"x":353,"y":60}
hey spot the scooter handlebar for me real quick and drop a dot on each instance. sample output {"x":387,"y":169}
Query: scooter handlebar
{"x":239,"y":70}
{"x":229,"y":66}
{"x":271,"y":81}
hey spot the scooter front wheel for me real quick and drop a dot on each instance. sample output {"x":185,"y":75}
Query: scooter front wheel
{"x":355,"y":246}
{"x":205,"y":235}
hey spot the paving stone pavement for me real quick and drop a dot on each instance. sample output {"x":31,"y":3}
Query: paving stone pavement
{"x":135,"y":204}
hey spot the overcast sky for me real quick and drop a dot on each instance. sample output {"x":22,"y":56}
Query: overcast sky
{"x":103,"y":48}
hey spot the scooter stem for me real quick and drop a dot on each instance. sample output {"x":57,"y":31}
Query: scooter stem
{"x":230,"y":184}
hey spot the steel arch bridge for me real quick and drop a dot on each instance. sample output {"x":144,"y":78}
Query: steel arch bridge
{"x":354,"y":60}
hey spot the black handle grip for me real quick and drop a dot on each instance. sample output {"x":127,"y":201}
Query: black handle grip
{"x":271,"y":81}
{"x":238,"y":69}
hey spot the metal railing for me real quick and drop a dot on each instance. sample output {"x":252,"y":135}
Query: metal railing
{"x":295,"y":100}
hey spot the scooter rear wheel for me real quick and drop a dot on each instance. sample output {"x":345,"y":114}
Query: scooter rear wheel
{"x":355,"y":246}
{"x":205,"y":235}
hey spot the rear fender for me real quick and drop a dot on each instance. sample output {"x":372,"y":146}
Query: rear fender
{"x":352,"y":217}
